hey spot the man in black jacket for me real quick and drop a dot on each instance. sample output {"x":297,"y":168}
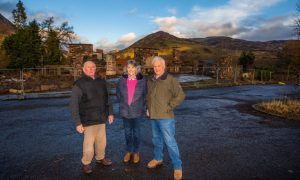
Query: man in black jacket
{"x":91,"y":108}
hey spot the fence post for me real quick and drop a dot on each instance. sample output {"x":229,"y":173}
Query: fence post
{"x":235,"y":69}
{"x":253,"y":76}
{"x":217,"y":81}
{"x":22,"y":95}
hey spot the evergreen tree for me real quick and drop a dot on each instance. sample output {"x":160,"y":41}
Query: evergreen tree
{"x":35,"y":42}
{"x":52,"y":54}
{"x":31,"y":45}
{"x":24,"y":47}
{"x":246,"y":59}
{"x":19,"y":15}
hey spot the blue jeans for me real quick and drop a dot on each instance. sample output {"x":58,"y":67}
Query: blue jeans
{"x":163,"y":130}
{"x":132,"y":134}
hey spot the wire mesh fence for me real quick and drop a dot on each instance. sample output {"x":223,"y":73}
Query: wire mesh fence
{"x":10,"y":81}
{"x":62,"y":78}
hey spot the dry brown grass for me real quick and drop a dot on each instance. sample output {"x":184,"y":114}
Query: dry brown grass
{"x":287,"y":108}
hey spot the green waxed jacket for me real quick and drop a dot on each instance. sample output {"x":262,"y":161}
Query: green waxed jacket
{"x":164,"y":95}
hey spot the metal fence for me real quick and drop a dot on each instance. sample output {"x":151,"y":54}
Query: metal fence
{"x":29,"y":80}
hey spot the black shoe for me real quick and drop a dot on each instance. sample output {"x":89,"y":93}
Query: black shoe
{"x":105,"y":162}
{"x":87,"y":169}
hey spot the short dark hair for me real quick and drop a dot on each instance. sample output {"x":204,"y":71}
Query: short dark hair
{"x":134,"y":64}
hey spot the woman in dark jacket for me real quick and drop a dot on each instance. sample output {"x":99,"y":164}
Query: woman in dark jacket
{"x":131,"y":93}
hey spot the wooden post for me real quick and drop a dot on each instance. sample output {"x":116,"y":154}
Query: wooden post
{"x":22,"y":95}
{"x":235,"y":72}
{"x":253,"y":76}
{"x":217,"y":81}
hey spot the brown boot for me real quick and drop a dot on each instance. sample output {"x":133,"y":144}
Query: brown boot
{"x":87,"y":169}
{"x":177,"y":174}
{"x":104,"y":162}
{"x":154,"y":163}
{"x":127,"y":157}
{"x":136,"y":158}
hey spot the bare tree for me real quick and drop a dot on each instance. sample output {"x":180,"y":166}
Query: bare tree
{"x":297,"y":20}
{"x":290,"y":56}
{"x":54,"y":39}
{"x":64,"y":32}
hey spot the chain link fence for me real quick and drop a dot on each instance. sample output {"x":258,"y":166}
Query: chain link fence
{"x":30,"y":80}
{"x":10,"y":81}
{"x":227,"y":76}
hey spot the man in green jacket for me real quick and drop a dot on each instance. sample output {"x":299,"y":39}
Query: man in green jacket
{"x":164,"y":95}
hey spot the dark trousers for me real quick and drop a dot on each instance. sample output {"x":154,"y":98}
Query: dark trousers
{"x":132,"y":134}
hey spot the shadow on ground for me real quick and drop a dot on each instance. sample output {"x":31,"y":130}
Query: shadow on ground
{"x":219,"y":135}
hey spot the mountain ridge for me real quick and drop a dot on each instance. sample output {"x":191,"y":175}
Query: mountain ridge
{"x":157,"y":39}
{"x":209,"y":48}
{"x":162,"y":39}
{"x":241,"y":44}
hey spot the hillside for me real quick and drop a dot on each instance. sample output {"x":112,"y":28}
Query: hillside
{"x":239,"y":44}
{"x":165,"y":43}
{"x":161,"y":39}
{"x":6,"y":27}
{"x":209,"y":48}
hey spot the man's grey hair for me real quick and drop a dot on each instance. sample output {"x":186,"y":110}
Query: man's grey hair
{"x":134,"y":64}
{"x":87,"y":62}
{"x":160,"y":59}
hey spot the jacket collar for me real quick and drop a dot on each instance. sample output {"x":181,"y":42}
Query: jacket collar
{"x":88,"y":77}
{"x":162,"y":77}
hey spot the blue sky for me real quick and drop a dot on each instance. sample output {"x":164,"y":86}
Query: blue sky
{"x":110,"y":24}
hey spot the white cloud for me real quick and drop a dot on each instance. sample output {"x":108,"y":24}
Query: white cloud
{"x":41,"y":16}
{"x":123,"y":42}
{"x":132,"y":12}
{"x":6,"y":8}
{"x":80,"y":39}
{"x":105,"y":44}
{"x":272,"y":29}
{"x":172,"y":10}
{"x":225,"y":20}
{"x":127,"y":37}
{"x":170,"y":24}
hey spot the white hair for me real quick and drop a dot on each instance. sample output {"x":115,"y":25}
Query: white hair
{"x":160,"y":59}
{"x":88,"y":62}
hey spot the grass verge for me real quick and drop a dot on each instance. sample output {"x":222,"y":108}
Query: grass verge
{"x":287,"y":108}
